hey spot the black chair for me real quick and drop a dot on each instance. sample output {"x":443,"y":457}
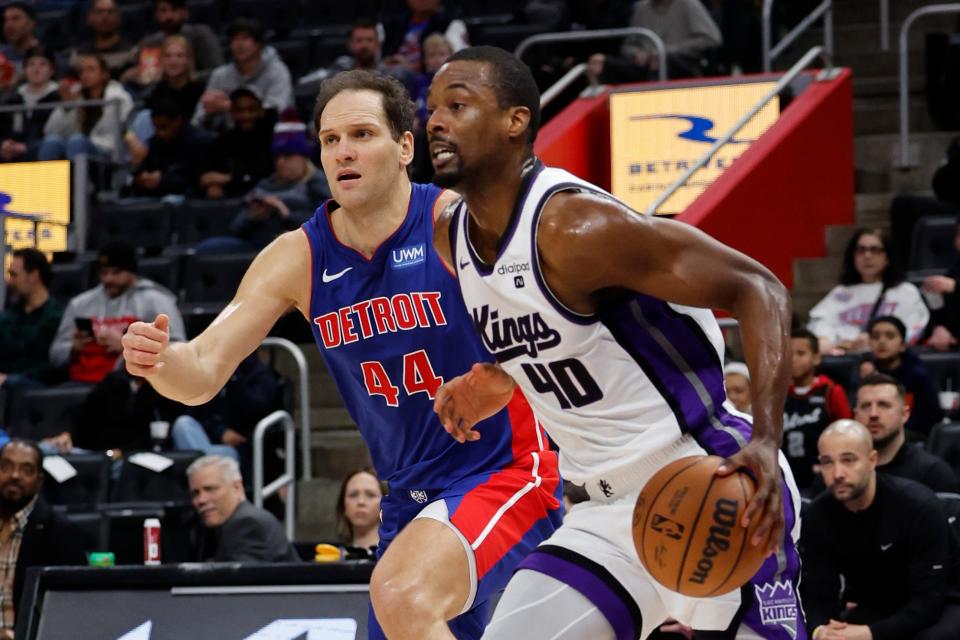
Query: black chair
{"x":843,"y":370}
{"x":41,"y":413}
{"x":201,"y":219}
{"x":932,"y":243}
{"x":205,"y":12}
{"x":93,"y":528}
{"x":85,"y":490}
{"x":69,"y":279}
{"x":330,"y":13}
{"x":505,"y":36}
{"x":164,"y":270}
{"x":212,"y":280}
{"x":944,"y":442}
{"x":137,"y":19}
{"x":945,"y":369}
{"x":125,"y":530}
{"x":295,"y":54}
{"x":147,"y":225}
{"x":138,"y":484}
{"x":279,"y":16}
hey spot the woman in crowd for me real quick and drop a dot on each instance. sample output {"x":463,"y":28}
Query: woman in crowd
{"x":358,"y":510}
{"x":93,"y":130}
{"x":870,"y":286}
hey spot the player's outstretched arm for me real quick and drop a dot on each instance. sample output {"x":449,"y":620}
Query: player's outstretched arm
{"x":469,"y":398}
{"x":193,"y":372}
{"x":678,"y":263}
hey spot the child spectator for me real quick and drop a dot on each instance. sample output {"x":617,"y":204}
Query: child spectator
{"x":870,"y":286}
{"x":736,"y":380}
{"x":890,"y":355}
{"x":813,"y":402}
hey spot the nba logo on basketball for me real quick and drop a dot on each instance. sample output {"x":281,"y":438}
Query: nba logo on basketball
{"x":778,"y":603}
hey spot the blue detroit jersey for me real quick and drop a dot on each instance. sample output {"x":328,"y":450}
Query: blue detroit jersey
{"x":390,"y":330}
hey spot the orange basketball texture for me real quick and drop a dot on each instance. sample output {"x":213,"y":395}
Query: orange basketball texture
{"x":686,"y":528}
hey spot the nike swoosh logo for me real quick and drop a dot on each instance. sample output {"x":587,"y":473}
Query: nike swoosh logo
{"x":463,"y":265}
{"x":332,"y":277}
{"x":884,"y":547}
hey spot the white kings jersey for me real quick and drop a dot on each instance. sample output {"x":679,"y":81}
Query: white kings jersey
{"x":612,"y":387}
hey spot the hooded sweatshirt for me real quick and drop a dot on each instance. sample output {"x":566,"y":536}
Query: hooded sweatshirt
{"x":143,"y":301}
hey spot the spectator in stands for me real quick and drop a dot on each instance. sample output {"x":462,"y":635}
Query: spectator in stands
{"x":364,"y":49}
{"x":108,"y":42}
{"x":688,"y":33}
{"x":358,"y":510}
{"x":177,"y":154}
{"x":882,"y":408}
{"x":176,"y":84}
{"x":941,"y":292}
{"x":236,"y":531}
{"x":252,"y":65}
{"x":121,"y":298}
{"x":889,"y":540}
{"x":27,"y":327}
{"x":890,"y":356}
{"x":736,"y":381}
{"x":436,"y":50}
{"x":21,"y":133}
{"x":241,"y":156}
{"x":115,"y":417}
{"x":280,"y":202}
{"x":19,"y":21}
{"x":405,"y":33}
{"x":171,"y":16}
{"x":870,"y":285}
{"x":31,"y":533}
{"x":813,"y":402}
{"x":230,"y":418}
{"x":907,"y":208}
{"x":92,"y":130}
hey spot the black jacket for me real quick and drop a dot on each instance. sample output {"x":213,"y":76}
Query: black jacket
{"x":180,"y":162}
{"x":249,"y":535}
{"x":48,"y":539}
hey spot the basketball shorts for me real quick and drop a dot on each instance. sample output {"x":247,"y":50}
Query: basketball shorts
{"x":500,"y":517}
{"x":594,"y":553}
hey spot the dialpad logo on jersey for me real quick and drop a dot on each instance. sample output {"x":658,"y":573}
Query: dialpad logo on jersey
{"x":376,"y":316}
{"x":408,"y":256}
{"x":778,"y":603}
{"x":513,"y":337}
{"x":511,"y":269}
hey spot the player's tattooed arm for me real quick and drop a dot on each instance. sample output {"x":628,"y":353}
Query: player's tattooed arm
{"x":678,"y":263}
{"x":472,"y":397}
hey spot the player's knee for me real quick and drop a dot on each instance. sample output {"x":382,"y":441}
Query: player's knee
{"x":400,"y":601}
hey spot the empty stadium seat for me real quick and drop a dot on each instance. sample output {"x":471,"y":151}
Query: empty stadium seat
{"x":41,"y":413}
{"x":147,"y":225}
{"x":69,"y":279}
{"x":211,"y":280}
{"x":94,"y":530}
{"x":505,"y":36}
{"x":125,"y":530}
{"x":932,"y":243}
{"x":295,"y":54}
{"x":201,"y":219}
{"x":843,"y":370}
{"x":138,"y":484}
{"x":944,"y":442}
{"x":164,"y":270}
{"x":279,"y":16}
{"x":205,"y":12}
{"x":945,"y":369}
{"x":85,"y":490}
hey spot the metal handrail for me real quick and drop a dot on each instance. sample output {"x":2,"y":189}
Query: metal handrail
{"x":808,"y":57}
{"x":289,"y":476}
{"x":304,"y":384}
{"x":824,"y":9}
{"x":885,"y":25}
{"x":557,"y":87}
{"x":599,"y":34}
{"x":115,"y":103}
{"x":905,"y":73}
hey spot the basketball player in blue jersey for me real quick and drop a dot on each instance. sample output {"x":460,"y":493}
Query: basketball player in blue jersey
{"x":602,"y":316}
{"x":387,"y":315}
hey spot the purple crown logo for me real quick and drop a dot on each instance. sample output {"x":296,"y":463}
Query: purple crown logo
{"x":774,"y":592}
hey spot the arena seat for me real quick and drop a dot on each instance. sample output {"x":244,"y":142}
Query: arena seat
{"x":944,"y":367}
{"x":211,"y":280}
{"x":944,"y":442}
{"x":69,"y":279}
{"x":124,"y":524}
{"x":279,"y":16}
{"x":144,"y":224}
{"x":932,"y":244}
{"x":41,"y":413}
{"x":333,"y":14}
{"x":138,"y":484}
{"x":205,"y":12}
{"x":201,"y":219}
{"x":505,"y":36}
{"x":137,"y":19}
{"x":85,"y":490}
{"x":843,"y":370}
{"x":93,"y":528}
{"x":164,"y":270}
{"x":295,"y":53}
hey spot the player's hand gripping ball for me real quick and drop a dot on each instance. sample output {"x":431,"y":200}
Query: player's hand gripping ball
{"x":687,"y":531}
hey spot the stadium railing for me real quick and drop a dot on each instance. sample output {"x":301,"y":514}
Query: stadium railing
{"x":289,"y":476}
{"x":303,"y":383}
{"x":770,"y":51}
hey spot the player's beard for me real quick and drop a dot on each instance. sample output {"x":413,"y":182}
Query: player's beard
{"x":448,"y":179}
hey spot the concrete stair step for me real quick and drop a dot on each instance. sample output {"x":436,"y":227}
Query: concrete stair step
{"x":316,"y":514}
{"x":876,"y":155}
{"x":881,"y":114}
{"x":336,"y":452}
{"x":837,"y":236}
{"x":809,"y":274}
{"x":858,"y":11}
{"x":803,"y":301}
{"x":330,"y":418}
{"x":886,"y":86}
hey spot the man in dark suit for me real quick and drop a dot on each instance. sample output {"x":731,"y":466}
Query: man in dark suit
{"x":236,"y":531}
{"x":31,"y":533}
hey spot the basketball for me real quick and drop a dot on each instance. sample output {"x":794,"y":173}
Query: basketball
{"x":686,"y":528}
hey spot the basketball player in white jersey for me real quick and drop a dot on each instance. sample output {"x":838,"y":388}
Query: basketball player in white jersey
{"x":602,"y":316}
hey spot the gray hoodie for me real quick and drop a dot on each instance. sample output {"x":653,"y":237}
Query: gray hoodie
{"x":143,"y":301}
